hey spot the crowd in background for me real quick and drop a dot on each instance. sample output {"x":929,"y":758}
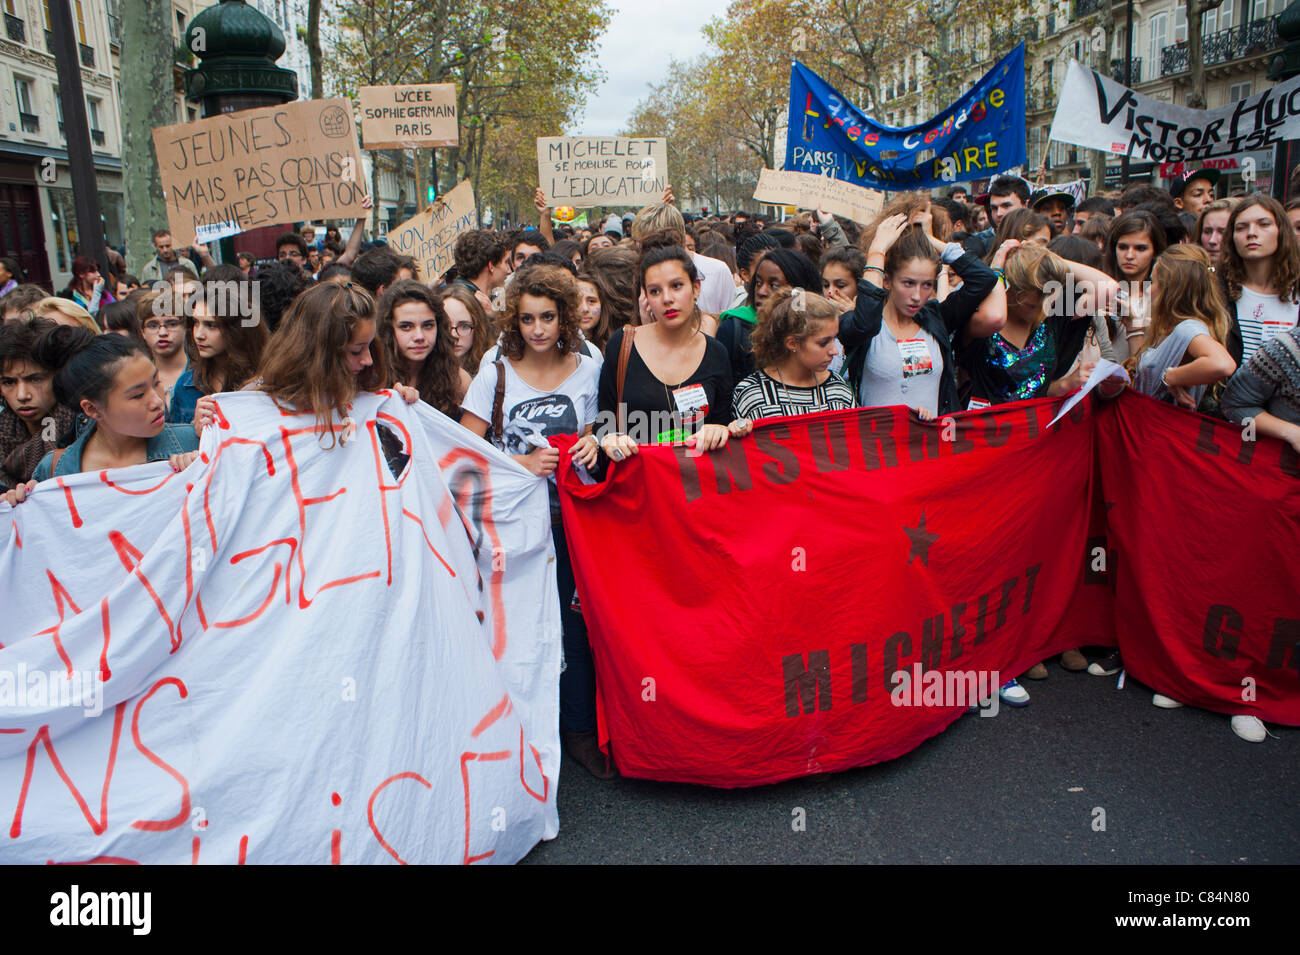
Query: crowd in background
{"x":660,"y":327}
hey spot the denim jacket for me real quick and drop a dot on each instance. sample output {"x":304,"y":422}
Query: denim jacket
{"x":173,"y":439}
{"x":185,"y":398}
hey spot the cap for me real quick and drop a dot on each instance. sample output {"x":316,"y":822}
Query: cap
{"x":1051,"y":192}
{"x":982,"y":200}
{"x":612,"y":224}
{"x":1178,"y":185}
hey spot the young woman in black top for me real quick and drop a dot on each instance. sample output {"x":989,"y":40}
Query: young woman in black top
{"x":678,"y":381}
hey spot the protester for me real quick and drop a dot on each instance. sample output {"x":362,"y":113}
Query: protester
{"x":898,"y":336}
{"x":64,"y":311}
{"x":526,"y":243}
{"x":613,"y":272}
{"x":325,"y":352}
{"x":32,"y":422}
{"x":595,"y":329}
{"x":1024,"y":226}
{"x":19,"y":304}
{"x":471,"y":331}
{"x":1293,"y":213}
{"x":88,"y":288}
{"x":11,"y":275}
{"x":482,"y":264}
{"x":420,"y":348}
{"x":223,"y":355}
{"x":794,"y":344}
{"x":1057,"y":205}
{"x":716,"y":286}
{"x":842,"y":270}
{"x":111,"y":380}
{"x":120,"y":318}
{"x":163,"y":330}
{"x":1183,"y":351}
{"x":1090,"y":207}
{"x":377,"y":268}
{"x":674,"y":383}
{"x":165,"y":258}
{"x":292,"y":249}
{"x":277,"y":286}
{"x":1193,"y":191}
{"x":1134,"y":242}
{"x":779,"y":271}
{"x":1260,"y":274}
{"x":545,"y":385}
{"x":1097,"y":230}
{"x":750,"y":251}
{"x":1211,"y":225}
{"x":1266,"y":390}
{"x":247,"y":262}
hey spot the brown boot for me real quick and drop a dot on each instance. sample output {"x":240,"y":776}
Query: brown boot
{"x":1074,"y":661}
{"x":1037,"y":672}
{"x":585,"y":748}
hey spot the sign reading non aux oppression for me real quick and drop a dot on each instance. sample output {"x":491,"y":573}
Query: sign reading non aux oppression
{"x":430,"y":237}
{"x":806,"y":190}
{"x":279,"y":164}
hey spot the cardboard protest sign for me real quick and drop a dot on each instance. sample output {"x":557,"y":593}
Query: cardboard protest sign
{"x":1096,"y":112}
{"x":586,"y":171}
{"x":286,"y":653}
{"x":279,"y":164}
{"x":409,"y":117}
{"x":430,"y":237}
{"x":808,"y":190}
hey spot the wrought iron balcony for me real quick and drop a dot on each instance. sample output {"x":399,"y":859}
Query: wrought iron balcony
{"x":1117,"y":70}
{"x":87,"y":55}
{"x":1084,"y":7}
{"x":15,"y":28}
{"x":1249,"y":39}
{"x":98,"y":136}
{"x":31,"y":123}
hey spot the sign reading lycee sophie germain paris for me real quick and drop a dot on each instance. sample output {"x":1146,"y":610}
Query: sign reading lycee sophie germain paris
{"x":279,"y":164}
{"x":409,"y":117}
{"x":586,"y":171}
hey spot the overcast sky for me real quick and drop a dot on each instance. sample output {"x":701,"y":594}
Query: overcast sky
{"x":643,"y":36}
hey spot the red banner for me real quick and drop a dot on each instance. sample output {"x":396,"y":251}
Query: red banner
{"x":836,"y":588}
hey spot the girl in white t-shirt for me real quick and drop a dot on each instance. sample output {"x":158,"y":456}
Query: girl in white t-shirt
{"x":1259,"y":268}
{"x":544,"y":384}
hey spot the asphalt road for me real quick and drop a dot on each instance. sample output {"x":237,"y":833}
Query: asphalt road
{"x":1176,"y":786}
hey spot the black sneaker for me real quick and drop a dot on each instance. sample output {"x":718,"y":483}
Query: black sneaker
{"x":1108,"y":665}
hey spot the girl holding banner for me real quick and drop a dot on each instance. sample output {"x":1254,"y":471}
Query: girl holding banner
{"x":544,"y":384}
{"x":223,"y":354}
{"x":1259,"y":267}
{"x":1134,"y":242}
{"x":416,"y":334}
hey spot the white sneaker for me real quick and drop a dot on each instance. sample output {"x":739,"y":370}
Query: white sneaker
{"x":1165,"y":702}
{"x":1249,"y":728}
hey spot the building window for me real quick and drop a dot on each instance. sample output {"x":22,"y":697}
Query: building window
{"x":1238,"y":91}
{"x":23,"y":93}
{"x":180,"y":27}
{"x":1180,"y":25}
{"x":1209,"y":22}
{"x":81,"y":22}
{"x":1159,"y":35}
{"x":1225,"y":15}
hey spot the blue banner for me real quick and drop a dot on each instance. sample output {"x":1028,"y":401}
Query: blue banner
{"x":978,"y":136}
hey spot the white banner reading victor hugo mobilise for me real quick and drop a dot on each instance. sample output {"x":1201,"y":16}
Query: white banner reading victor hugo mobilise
{"x":1097,"y":112}
{"x":284,"y":654}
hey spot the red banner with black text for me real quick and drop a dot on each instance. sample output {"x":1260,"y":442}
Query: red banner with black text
{"x":835,"y":589}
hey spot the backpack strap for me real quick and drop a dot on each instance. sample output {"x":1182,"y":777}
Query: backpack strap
{"x":498,"y":403}
{"x":624,"y":353}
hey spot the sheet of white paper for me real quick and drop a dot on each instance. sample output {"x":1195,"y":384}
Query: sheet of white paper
{"x":1105,"y":369}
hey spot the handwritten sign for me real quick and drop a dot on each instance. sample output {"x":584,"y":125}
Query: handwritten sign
{"x":808,"y":190}
{"x":430,"y":237}
{"x":279,"y":164}
{"x":409,"y":117}
{"x":586,"y":171}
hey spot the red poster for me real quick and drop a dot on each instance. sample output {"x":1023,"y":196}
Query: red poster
{"x":750,"y":609}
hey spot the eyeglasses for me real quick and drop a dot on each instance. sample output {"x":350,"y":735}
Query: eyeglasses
{"x":463,"y":328}
{"x":172,"y":324}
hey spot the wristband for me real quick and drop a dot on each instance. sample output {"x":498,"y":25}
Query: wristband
{"x":875,"y":268}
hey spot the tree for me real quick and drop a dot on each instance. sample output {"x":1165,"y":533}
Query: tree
{"x":1196,"y":10}
{"x":314,"y":50}
{"x":147,"y":90}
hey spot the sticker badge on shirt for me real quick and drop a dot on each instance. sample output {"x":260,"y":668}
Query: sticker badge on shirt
{"x":1272,"y":326}
{"x":692,"y":403}
{"x":977,"y":404}
{"x":916,"y":357}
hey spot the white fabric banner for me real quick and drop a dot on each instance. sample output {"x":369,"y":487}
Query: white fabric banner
{"x":1097,"y":112}
{"x":283,"y":654}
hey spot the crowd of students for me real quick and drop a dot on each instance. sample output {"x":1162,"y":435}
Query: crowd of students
{"x":675,"y":331}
